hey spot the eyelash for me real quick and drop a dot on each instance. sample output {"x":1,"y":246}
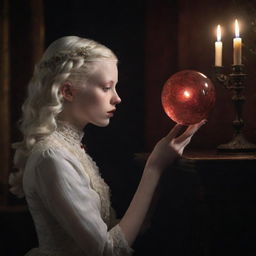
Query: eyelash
{"x":105,"y":89}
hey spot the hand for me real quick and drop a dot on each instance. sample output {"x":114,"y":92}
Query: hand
{"x":171,"y":147}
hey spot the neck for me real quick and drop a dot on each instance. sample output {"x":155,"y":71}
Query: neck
{"x":68,"y":119}
{"x":71,"y":132}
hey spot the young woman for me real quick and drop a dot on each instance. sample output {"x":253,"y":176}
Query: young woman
{"x":73,"y":85}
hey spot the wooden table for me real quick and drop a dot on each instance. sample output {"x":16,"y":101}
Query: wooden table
{"x":207,"y":207}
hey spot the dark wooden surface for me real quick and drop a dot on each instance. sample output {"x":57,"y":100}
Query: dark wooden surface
{"x":214,"y":155}
{"x":206,"y":207}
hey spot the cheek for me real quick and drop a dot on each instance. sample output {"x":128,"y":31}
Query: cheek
{"x":88,"y":101}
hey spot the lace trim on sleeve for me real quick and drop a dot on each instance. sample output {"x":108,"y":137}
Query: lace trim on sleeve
{"x":120,"y":245}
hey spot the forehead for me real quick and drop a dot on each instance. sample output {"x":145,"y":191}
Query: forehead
{"x":104,"y":71}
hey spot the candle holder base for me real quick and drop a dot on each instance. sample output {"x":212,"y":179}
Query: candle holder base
{"x":235,"y":82}
{"x":238,"y":144}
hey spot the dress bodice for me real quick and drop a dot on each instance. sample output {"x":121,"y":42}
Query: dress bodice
{"x":68,"y":199}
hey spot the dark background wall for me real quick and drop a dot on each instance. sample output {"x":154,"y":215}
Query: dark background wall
{"x":153,"y":40}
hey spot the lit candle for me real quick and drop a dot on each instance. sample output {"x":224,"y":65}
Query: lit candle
{"x":218,"y":48}
{"x":237,"y":45}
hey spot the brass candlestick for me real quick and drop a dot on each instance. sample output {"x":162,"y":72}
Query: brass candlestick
{"x":235,"y":83}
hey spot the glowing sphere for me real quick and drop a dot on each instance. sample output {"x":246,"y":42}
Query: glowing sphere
{"x":188,"y":97}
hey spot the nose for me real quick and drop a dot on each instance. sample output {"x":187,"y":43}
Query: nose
{"x":115,"y":99}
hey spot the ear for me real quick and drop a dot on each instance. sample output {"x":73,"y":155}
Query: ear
{"x":67,"y":91}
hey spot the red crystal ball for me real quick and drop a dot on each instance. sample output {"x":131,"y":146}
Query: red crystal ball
{"x":188,"y":97}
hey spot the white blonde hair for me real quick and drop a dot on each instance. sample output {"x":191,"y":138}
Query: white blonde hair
{"x":67,"y":58}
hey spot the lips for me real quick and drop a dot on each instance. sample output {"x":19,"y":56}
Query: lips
{"x":111,"y":112}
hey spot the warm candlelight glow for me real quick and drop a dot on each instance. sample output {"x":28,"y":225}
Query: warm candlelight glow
{"x":218,"y":48}
{"x":236,"y":28}
{"x":185,"y":97}
{"x":186,"y":94}
{"x":237,"y":46}
{"x":218,"y":33}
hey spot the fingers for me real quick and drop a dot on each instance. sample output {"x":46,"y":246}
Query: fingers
{"x":194,"y":128}
{"x":190,"y":131}
{"x":174,"y":131}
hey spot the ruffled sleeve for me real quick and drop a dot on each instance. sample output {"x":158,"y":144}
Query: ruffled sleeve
{"x":66,"y":193}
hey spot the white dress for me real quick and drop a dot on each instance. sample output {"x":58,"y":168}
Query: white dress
{"x":69,"y":201}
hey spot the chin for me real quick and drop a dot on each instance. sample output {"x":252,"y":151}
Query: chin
{"x":101,"y":124}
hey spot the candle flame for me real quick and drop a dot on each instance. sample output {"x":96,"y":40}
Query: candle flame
{"x":218,"y":33}
{"x":236,"y":28}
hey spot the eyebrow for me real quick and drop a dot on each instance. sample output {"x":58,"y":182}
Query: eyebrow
{"x":111,"y":82}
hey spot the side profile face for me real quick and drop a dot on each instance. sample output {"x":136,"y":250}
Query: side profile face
{"x":95,"y":100}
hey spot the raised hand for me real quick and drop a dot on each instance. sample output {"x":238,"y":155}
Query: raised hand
{"x":170,"y":147}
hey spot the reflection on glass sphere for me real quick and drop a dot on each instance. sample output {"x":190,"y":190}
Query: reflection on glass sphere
{"x":188,"y":96}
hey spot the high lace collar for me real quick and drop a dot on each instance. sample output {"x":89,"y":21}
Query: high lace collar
{"x":70,"y":132}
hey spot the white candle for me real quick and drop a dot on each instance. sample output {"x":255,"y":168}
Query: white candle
{"x":218,"y":48}
{"x":237,"y":46}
